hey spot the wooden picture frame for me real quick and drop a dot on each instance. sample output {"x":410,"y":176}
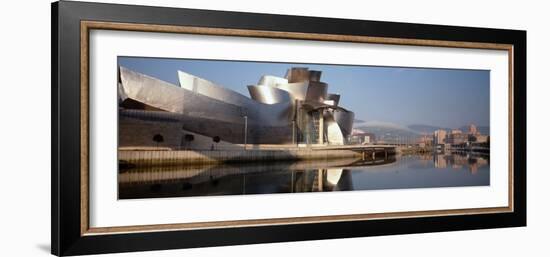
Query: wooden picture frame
{"x":71,"y":25}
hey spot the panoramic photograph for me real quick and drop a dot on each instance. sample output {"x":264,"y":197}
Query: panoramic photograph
{"x":191,"y":127}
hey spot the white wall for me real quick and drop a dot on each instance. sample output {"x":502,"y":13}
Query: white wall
{"x":25,"y":127}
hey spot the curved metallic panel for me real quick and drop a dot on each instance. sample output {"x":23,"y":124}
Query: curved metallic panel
{"x":268,"y":95}
{"x":297,"y":74}
{"x":296,"y":90}
{"x":272,"y":81}
{"x":151,"y":91}
{"x":268,"y":114}
{"x":171,"y":98}
{"x":204,"y":87}
{"x":334,"y":132}
{"x":203,"y":107}
{"x":316,"y":92}
{"x":267,"y":123}
{"x":344,"y":119}
{"x":121,"y":95}
{"x":334,"y":97}
{"x":315,"y":75}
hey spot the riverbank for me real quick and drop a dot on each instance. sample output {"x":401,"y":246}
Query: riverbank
{"x":158,"y":157}
{"x":167,"y":158}
{"x":415,"y":150}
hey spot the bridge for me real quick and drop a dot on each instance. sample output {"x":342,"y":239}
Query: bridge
{"x":367,"y":151}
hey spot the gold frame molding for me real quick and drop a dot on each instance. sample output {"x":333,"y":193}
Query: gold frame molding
{"x":87,"y":26}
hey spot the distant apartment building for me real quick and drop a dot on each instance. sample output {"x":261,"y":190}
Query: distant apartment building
{"x":482,"y":139}
{"x":475,"y":136}
{"x":457,"y":138}
{"x":426,"y":140}
{"x":446,"y":139}
{"x":439,"y":136}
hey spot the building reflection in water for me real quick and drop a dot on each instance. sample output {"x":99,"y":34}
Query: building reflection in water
{"x":460,"y":160}
{"x":394,"y":172}
{"x":228,"y":179}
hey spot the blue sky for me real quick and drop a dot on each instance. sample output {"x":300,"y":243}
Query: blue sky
{"x":405,"y":96}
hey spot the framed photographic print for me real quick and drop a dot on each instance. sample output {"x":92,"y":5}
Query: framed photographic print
{"x":178,"y":128}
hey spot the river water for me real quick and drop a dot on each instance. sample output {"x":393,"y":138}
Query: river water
{"x":394,"y":172}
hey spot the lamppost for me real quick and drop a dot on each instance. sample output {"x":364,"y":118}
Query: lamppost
{"x":245,"y":130}
{"x":293,"y":132}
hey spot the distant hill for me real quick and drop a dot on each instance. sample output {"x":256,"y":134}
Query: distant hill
{"x":420,"y":128}
{"x":484,"y":130}
{"x":389,"y":132}
{"x":392,"y":132}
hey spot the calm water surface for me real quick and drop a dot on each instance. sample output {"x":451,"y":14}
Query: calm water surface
{"x":399,"y":172}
